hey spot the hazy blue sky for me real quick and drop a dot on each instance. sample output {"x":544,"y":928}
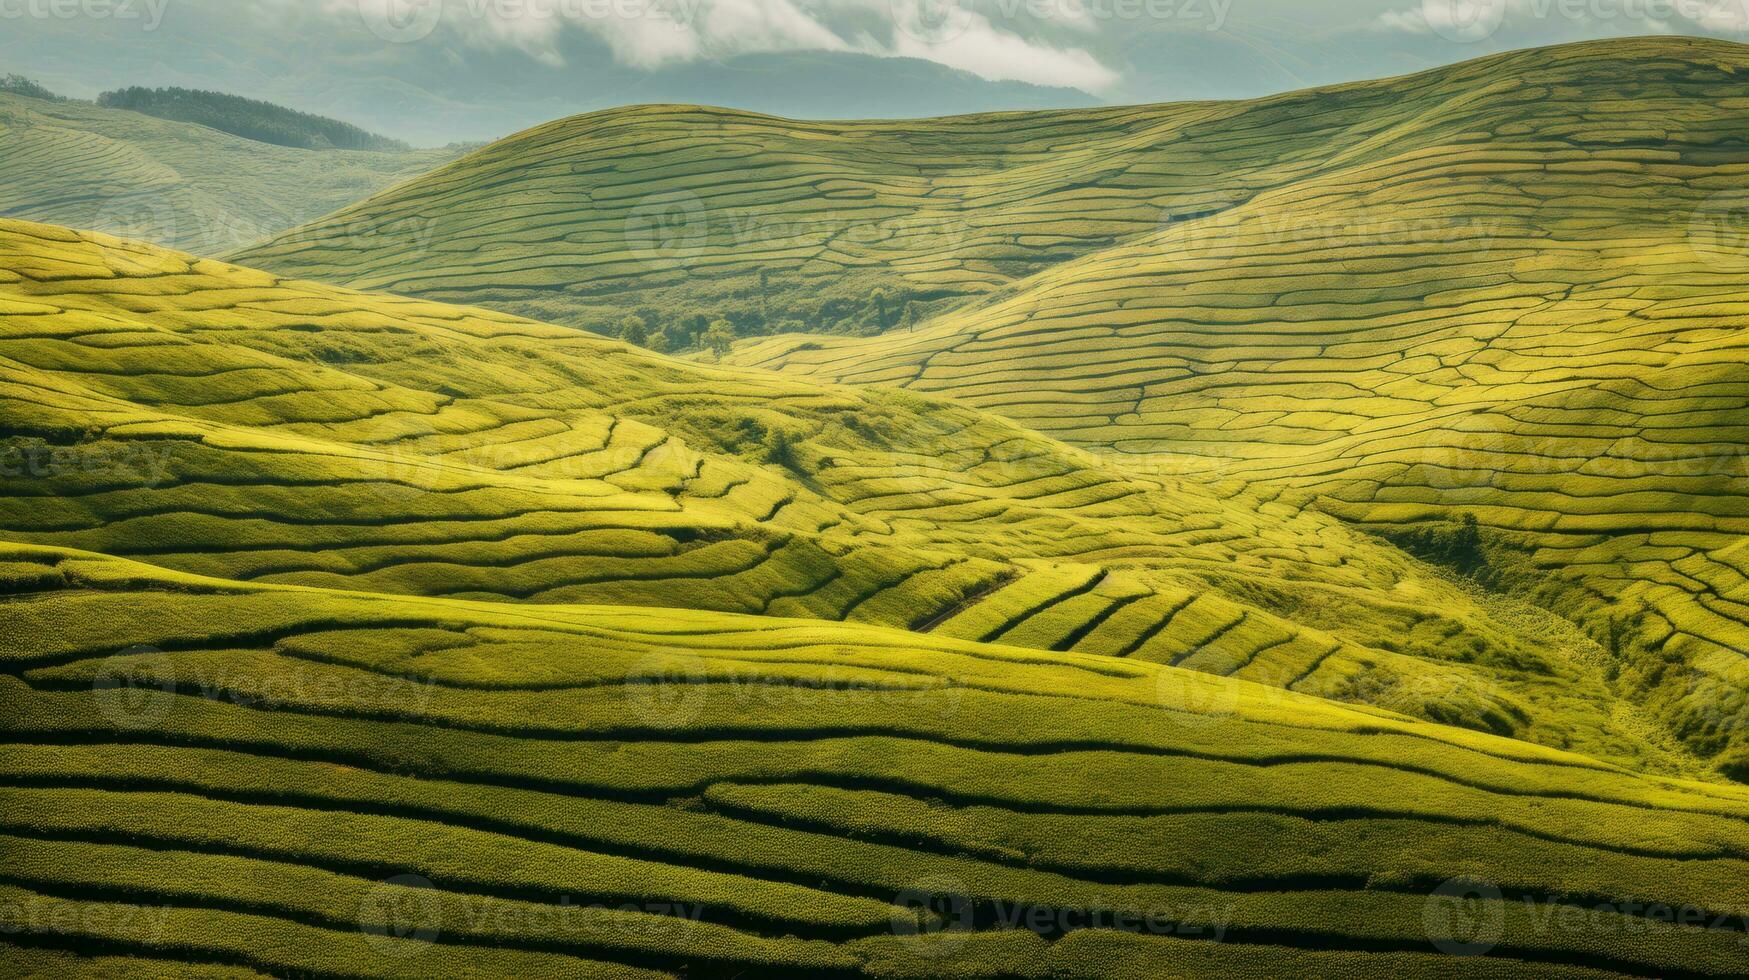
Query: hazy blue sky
{"x":433,"y":70}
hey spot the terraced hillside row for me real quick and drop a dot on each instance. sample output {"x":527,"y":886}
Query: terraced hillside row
{"x":790,"y":225}
{"x":277,"y":780}
{"x":1502,"y":290}
{"x":1536,"y":322}
{"x":179,"y":184}
{"x":221,"y":421}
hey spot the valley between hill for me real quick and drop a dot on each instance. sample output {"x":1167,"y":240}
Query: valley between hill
{"x":1292,"y":537}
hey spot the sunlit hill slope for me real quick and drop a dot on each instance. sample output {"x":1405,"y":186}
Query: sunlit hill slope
{"x":1501,"y":290}
{"x":271,"y":780}
{"x":1531,"y":314}
{"x":218,"y":420}
{"x":378,"y":735}
{"x":1289,"y":538}
{"x":782,"y":224}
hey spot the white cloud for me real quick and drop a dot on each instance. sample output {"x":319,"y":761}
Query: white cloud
{"x":1725,"y":17}
{"x":990,"y":52}
{"x":652,"y":34}
{"x":1406,"y":21}
{"x":1449,"y":17}
{"x":764,"y":25}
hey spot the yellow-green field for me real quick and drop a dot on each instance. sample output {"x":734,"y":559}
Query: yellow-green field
{"x":695,"y":211}
{"x":302,"y":781}
{"x":219,"y":421}
{"x":1300,"y":537}
{"x":1504,"y":289}
{"x":1536,"y":322}
{"x":186,"y":186}
{"x":701,"y":211}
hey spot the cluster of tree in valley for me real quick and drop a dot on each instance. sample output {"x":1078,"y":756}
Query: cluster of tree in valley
{"x":248,"y":118}
{"x":669,"y":332}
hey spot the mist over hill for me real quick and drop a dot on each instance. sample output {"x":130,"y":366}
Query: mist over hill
{"x":174,"y":183}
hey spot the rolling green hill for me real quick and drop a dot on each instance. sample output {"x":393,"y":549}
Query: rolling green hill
{"x":1300,"y":537}
{"x":1535,"y":322}
{"x":249,"y":118}
{"x":783,"y":225}
{"x":176,"y":183}
{"x":710,"y":212}
{"x":220,"y":421}
{"x":1500,"y":290}
{"x":285,"y":780}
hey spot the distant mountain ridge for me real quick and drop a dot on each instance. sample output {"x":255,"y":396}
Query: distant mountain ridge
{"x":428,"y":96}
{"x":249,"y":118}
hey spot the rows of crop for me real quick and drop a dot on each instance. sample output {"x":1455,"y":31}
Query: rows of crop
{"x":1530,"y":321}
{"x":688,"y":213}
{"x":674,"y":797}
{"x":760,"y":830}
{"x":220,"y":421}
{"x":368,"y":634}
